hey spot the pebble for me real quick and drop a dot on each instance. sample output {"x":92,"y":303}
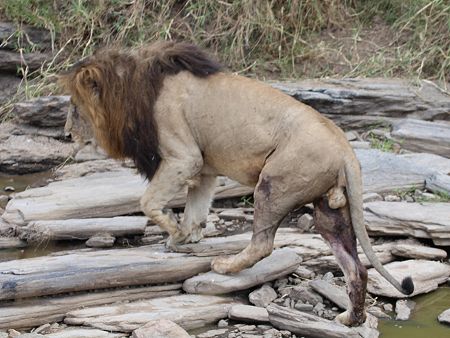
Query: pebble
{"x":304,"y":273}
{"x":388,"y":307}
{"x":303,"y":307}
{"x":305,"y":222}
{"x":403,"y":308}
{"x":263,"y":296}
{"x":328,"y":276}
{"x":222,"y":323}
{"x":392,"y":198}
{"x":212,"y":333}
{"x":101,"y":241}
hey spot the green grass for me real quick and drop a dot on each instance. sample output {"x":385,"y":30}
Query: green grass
{"x":381,"y":143}
{"x":267,"y":39}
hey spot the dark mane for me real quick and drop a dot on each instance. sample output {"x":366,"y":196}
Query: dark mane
{"x":127,"y":84}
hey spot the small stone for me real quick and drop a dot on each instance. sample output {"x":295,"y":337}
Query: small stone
{"x":9,"y":188}
{"x":222,"y":323}
{"x":211,"y":230}
{"x":262,"y":296}
{"x":287,"y":302}
{"x":377,"y":312}
{"x":44,"y":329}
{"x":392,"y":198}
{"x":360,"y":144}
{"x":303,"y":307}
{"x":209,"y":334}
{"x":328,"y":276}
{"x":304,"y":273}
{"x":351,"y":135}
{"x":281,"y":283}
{"x":388,"y":307}
{"x":444,"y":317}
{"x":161,"y":328}
{"x":403,"y":309}
{"x":272,"y":333}
{"x":305,"y":294}
{"x":248,"y":313}
{"x":318,"y":307}
{"x":409,"y":199}
{"x":372,"y":197}
{"x":305,"y":222}
{"x":13,"y":333}
{"x":247,"y":328}
{"x":101,"y":241}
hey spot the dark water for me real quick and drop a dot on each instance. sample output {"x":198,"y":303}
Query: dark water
{"x":423,"y":323}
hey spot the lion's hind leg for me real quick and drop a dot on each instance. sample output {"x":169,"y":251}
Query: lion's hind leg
{"x":335,"y":226}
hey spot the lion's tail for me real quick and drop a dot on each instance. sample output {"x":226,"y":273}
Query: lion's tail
{"x":354,"y":192}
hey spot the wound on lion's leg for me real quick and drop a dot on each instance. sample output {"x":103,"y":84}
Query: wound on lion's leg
{"x":335,"y":227}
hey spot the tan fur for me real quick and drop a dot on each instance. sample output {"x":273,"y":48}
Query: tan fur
{"x":221,"y":124}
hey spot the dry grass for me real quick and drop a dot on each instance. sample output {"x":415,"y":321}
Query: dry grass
{"x":267,"y":39}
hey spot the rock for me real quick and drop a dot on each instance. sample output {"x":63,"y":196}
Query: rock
{"x":423,"y":136}
{"x":263,"y":296}
{"x":336,"y":294}
{"x":388,"y":172}
{"x":20,"y":154}
{"x":418,"y":251}
{"x":444,"y":317}
{"x":10,"y":61}
{"x":29,"y":36}
{"x":211,"y":333}
{"x":223,"y":322}
{"x":343,"y":100}
{"x":74,"y":332}
{"x":392,"y":198}
{"x":11,"y":242}
{"x":248,"y":313}
{"x":101,"y":241}
{"x":305,"y":295}
{"x":351,"y":135}
{"x":438,"y":183}
{"x":280,"y":263}
{"x":303,"y":307}
{"x":152,"y":239}
{"x":438,"y":164}
{"x":9,"y":85}
{"x":304,"y":273}
{"x":372,"y":197}
{"x":426,"y":275}
{"x":45,"y":111}
{"x":305,"y":324}
{"x":388,"y":307}
{"x":305,"y":222}
{"x":162,"y":328}
{"x":211,"y":230}
{"x":360,"y":144}
{"x":377,"y":312}
{"x":403,"y":309}
{"x":425,"y":220}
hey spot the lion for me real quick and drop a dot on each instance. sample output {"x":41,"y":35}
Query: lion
{"x":184,"y":121}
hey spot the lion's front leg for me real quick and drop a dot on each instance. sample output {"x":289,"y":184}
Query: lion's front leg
{"x":170,"y":179}
{"x":197,"y":206}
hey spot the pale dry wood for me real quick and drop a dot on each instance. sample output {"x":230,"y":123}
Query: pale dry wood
{"x":83,"y":228}
{"x":305,"y":324}
{"x":426,"y":275}
{"x":89,"y":270}
{"x":97,"y":195}
{"x":73,"y":332}
{"x":280,"y":263}
{"x":188,"y":311}
{"x":38,"y":311}
{"x":11,"y":242}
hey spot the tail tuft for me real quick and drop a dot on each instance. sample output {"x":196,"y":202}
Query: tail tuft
{"x":407,"y":286}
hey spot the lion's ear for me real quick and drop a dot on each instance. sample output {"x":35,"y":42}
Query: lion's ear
{"x":89,"y":79}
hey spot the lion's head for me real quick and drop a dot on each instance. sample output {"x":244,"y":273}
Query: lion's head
{"x":116,"y":90}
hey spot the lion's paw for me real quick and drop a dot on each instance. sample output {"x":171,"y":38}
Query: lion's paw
{"x":347,"y":319}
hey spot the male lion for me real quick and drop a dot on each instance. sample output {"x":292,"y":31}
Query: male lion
{"x":183,"y":122}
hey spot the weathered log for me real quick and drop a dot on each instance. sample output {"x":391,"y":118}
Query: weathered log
{"x":10,"y":61}
{"x":335,"y":293}
{"x":89,"y":270}
{"x":97,"y":195}
{"x":424,"y":220}
{"x":73,"y":332}
{"x":426,"y":275}
{"x":305,"y":324}
{"x":188,"y":311}
{"x":11,"y":242}
{"x":83,"y":228}
{"x":35,"y":312}
{"x":363,"y":102}
{"x":280,"y":263}
{"x":423,"y":136}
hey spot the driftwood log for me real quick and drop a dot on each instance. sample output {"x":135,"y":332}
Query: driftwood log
{"x":39,"y":311}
